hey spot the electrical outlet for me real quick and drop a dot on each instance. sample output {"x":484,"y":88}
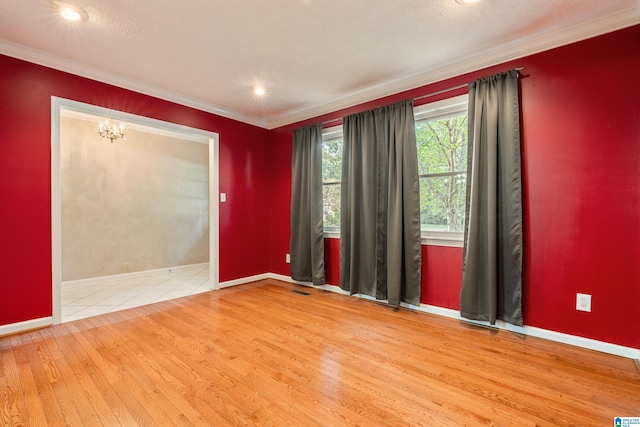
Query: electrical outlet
{"x":583,"y":302}
{"x":223,"y":197}
{"x":287,"y":258}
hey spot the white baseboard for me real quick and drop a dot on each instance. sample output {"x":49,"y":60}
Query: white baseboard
{"x":605,"y":347}
{"x":617,"y":350}
{"x":244,"y":280}
{"x":132,"y":275}
{"x":591,"y":344}
{"x":27,"y":325}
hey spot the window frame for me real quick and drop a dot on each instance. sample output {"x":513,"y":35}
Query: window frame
{"x":426,"y":112}
{"x":329,"y":133}
{"x":433,"y":111}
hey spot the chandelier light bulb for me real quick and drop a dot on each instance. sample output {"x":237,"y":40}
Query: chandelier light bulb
{"x":111,"y":131}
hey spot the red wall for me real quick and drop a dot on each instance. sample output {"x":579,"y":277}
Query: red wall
{"x":581,"y":161}
{"x":25,"y":180}
{"x":581,"y":174}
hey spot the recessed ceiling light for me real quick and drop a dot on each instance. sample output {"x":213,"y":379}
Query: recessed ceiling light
{"x":70,"y":14}
{"x":259,"y":90}
{"x":466,"y":1}
{"x":69,"y":11}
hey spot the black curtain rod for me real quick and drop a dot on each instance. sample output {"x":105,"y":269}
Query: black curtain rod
{"x":452,"y":88}
{"x":427,"y":95}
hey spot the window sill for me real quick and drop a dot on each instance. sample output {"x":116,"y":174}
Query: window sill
{"x":331,"y":234}
{"x":443,"y":238}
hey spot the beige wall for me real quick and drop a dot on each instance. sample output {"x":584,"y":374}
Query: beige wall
{"x":133,"y":205}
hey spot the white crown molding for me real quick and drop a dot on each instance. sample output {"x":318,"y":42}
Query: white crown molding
{"x":517,"y":49}
{"x":506,"y":52}
{"x":72,"y":67}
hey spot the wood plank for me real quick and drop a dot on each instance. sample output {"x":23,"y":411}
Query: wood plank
{"x":160,"y":371}
{"x":123,"y":403}
{"x":53,"y":371}
{"x":12,"y":406}
{"x":53,"y":411}
{"x":81,"y":382}
{"x":258,"y":354}
{"x":30,"y":393}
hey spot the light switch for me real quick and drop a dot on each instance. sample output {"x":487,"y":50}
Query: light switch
{"x":223,"y":197}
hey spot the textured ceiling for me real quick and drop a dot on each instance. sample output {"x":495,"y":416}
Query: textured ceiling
{"x":313,"y":56}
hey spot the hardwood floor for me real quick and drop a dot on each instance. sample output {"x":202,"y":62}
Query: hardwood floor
{"x":259,"y":354}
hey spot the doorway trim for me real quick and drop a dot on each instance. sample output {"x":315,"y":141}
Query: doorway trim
{"x":210,"y":138}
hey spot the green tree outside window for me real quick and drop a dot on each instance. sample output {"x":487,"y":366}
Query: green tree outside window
{"x":331,"y":177}
{"x":442,"y":162}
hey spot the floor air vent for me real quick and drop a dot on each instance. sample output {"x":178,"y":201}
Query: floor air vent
{"x":295,"y":291}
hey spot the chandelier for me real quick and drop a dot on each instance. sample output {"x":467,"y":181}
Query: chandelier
{"x":111,"y":130}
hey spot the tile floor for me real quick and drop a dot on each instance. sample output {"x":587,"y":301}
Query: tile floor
{"x":82,"y":301}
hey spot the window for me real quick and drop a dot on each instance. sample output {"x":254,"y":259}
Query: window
{"x":441,"y":137}
{"x":331,"y":178}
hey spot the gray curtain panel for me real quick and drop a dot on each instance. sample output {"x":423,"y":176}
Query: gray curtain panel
{"x":492,"y":272}
{"x":380,"y":252}
{"x":307,"y":239}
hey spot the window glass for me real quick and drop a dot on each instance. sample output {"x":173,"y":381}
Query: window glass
{"x":331,"y":177}
{"x":441,"y":137}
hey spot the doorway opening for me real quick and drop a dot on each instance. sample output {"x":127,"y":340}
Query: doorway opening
{"x":107,"y":263}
